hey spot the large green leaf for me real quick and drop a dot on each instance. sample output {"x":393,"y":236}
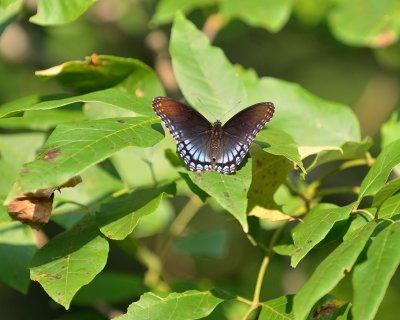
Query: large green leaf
{"x":372,"y":23}
{"x":317,"y":223}
{"x":17,"y":247}
{"x":228,"y":190}
{"x":371,"y":278}
{"x":178,"y":306}
{"x":277,"y":309}
{"x":315,"y":124}
{"x":331,"y":271}
{"x":205,"y":76}
{"x":166,"y":9}
{"x":390,"y":207}
{"x":270,"y":14}
{"x":118,"y":217}
{"x":379,"y":172}
{"x":113,"y":97}
{"x":73,"y":147}
{"x":102,"y":71}
{"x":57,"y":12}
{"x":69,"y":261}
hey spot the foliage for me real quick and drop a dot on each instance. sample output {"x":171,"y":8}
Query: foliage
{"x":105,"y":130}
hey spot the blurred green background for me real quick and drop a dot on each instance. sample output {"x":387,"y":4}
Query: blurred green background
{"x":304,"y":51}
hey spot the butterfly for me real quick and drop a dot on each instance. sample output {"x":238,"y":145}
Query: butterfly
{"x":204,"y":146}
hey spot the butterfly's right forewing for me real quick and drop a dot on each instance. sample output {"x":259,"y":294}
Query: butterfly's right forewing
{"x":190,"y":130}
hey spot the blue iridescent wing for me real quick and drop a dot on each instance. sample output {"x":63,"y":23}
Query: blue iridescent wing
{"x":190,"y":130}
{"x":239,"y":132}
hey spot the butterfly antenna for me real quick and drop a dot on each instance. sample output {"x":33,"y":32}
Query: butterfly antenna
{"x":208,"y":110}
{"x":233,"y":110}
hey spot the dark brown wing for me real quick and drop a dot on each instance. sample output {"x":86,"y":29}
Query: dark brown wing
{"x":190,"y":129}
{"x":239,"y":132}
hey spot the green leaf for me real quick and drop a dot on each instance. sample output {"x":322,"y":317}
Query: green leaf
{"x":269,"y":14}
{"x":17,"y":247}
{"x":58,"y":12}
{"x":269,"y":172}
{"x":228,"y":190}
{"x":315,"y":124}
{"x":166,"y":9}
{"x":349,"y":150}
{"x":330,"y":308}
{"x":74,"y":147}
{"x":280,"y":143}
{"x":331,"y":271}
{"x":178,"y":306}
{"x":209,"y":244}
{"x":110,"y":287}
{"x":69,"y":261}
{"x":386,"y":192}
{"x":9,"y":9}
{"x":317,"y":223}
{"x":277,"y":309}
{"x":102,"y":71}
{"x":118,"y":217}
{"x":113,"y":97}
{"x":205,"y":76}
{"x":371,"y":278}
{"x":379,"y":172}
{"x":371,"y":23}
{"x":390,"y":131}
{"x":390,"y":207}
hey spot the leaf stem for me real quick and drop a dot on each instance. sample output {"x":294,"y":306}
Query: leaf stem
{"x":369,"y":214}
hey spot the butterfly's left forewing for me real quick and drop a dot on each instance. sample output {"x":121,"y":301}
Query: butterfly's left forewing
{"x":239,"y":132}
{"x":190,"y":130}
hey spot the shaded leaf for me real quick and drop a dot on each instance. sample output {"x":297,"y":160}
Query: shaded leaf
{"x":69,"y":261}
{"x":72,"y":148}
{"x":8,"y":11}
{"x":380,"y":170}
{"x":331,"y":271}
{"x":113,"y":97}
{"x":17,"y":247}
{"x":110,"y":287}
{"x":385,"y":192}
{"x":317,"y":223}
{"x":277,"y":309}
{"x":103,"y":71}
{"x":371,"y":23}
{"x":178,"y":306}
{"x":390,"y":131}
{"x":228,"y":190}
{"x":117,"y":218}
{"x":205,"y":76}
{"x":371,"y":278}
{"x":269,"y":14}
{"x":330,"y":308}
{"x":58,"y":12}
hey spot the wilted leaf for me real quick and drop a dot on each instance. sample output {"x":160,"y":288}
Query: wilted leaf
{"x":178,"y":306}
{"x":371,"y":278}
{"x":69,"y":261}
{"x":331,"y":271}
{"x":270,"y":215}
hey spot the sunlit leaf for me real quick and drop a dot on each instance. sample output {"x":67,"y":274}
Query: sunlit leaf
{"x":277,"y":309}
{"x":331,"y":271}
{"x":371,"y":278}
{"x":17,"y":247}
{"x":270,"y":14}
{"x":74,"y":147}
{"x":379,"y":172}
{"x":69,"y":261}
{"x":205,"y":76}
{"x":317,"y":223}
{"x":117,"y":218}
{"x":8,"y":11}
{"x":179,"y":306}
{"x":371,"y":23}
{"x":390,"y":131}
{"x":58,"y":12}
{"x":385,"y":192}
{"x":390,"y":207}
